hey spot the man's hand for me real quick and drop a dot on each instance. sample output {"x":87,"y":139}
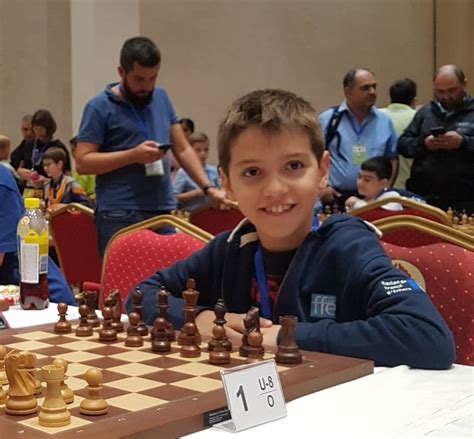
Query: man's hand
{"x":40,"y":181}
{"x":329,"y":195}
{"x":147,"y":152}
{"x":450,"y":140}
{"x":218,"y":196}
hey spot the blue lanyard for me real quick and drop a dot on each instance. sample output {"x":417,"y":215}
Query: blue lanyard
{"x":139,"y":118}
{"x":262,"y":277}
{"x":357,"y":131}
{"x":37,"y":155}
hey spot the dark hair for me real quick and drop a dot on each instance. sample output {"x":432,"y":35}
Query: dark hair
{"x":55,"y":154}
{"x":44,"y":118}
{"x":382,"y":166}
{"x":272,"y":111}
{"x":73,"y":141}
{"x":454,"y":69}
{"x":140,"y":50}
{"x":350,"y":76}
{"x":403,"y":91}
{"x":188,"y":122}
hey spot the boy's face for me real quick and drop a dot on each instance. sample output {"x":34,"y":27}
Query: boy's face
{"x":202,"y":151}
{"x":53,"y":169}
{"x":369,"y":185}
{"x":276,"y":179}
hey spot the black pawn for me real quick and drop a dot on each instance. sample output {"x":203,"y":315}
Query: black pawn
{"x":84,"y":329}
{"x":160,"y":341}
{"x":134,"y":339}
{"x":189,"y":348}
{"x":62,"y":326}
{"x":219,"y":355}
{"x":107,"y":333}
{"x":219,"y":312}
{"x":256,"y":351}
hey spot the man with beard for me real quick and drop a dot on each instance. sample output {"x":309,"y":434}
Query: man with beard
{"x":119,"y":138}
{"x":356,"y":131}
{"x":440,"y":139}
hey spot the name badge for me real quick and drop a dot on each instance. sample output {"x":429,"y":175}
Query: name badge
{"x":254,"y":395}
{"x":155,"y":168}
{"x":359,"y":154}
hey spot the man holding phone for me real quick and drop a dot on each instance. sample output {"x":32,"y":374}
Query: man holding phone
{"x":123,"y":138}
{"x":440,"y":139}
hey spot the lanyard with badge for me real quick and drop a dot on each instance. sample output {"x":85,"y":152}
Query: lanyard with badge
{"x":156,"y":167}
{"x":259,"y":266}
{"x":359,"y":150}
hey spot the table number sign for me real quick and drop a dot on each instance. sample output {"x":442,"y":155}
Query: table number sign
{"x":254,"y":395}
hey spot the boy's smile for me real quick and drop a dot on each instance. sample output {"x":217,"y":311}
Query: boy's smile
{"x":276,"y":179}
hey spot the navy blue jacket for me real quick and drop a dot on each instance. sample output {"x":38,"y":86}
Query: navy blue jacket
{"x":348,"y":297}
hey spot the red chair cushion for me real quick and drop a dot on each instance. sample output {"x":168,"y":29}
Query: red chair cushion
{"x":446,"y":271}
{"x":215,"y":220}
{"x":135,"y":256}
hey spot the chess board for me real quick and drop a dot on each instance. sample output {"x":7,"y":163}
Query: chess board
{"x":151,"y":394}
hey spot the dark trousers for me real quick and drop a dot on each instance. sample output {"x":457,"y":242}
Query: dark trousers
{"x":111,"y":221}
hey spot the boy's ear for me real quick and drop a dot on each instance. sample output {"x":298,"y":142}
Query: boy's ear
{"x":324,"y":170}
{"x":226,"y":184}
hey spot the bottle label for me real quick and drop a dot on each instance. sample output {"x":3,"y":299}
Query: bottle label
{"x":42,"y":243}
{"x":29,"y":263}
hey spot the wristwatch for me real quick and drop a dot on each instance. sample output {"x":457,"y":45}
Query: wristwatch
{"x":206,"y":188}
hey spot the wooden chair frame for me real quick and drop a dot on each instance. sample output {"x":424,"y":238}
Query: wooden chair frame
{"x":424,"y":225}
{"x":406,"y":202}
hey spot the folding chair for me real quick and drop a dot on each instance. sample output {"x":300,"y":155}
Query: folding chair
{"x":374,"y":211}
{"x":75,"y":239}
{"x":136,"y":252}
{"x":215,"y":220}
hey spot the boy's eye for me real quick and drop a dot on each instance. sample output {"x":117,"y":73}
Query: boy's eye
{"x":294,"y":165}
{"x":251,"y":172}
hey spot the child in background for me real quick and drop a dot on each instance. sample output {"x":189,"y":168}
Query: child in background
{"x":86,"y":181}
{"x":188,"y":194}
{"x":62,"y":189}
{"x":5,"y":145}
{"x":372,"y":182}
{"x":336,"y":278}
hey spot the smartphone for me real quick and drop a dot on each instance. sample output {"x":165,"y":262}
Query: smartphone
{"x":438,"y":131}
{"x":165,"y":146}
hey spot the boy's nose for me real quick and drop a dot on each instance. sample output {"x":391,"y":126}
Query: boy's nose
{"x":275,"y":187}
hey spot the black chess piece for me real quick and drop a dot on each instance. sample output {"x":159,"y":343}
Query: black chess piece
{"x":189,"y":348}
{"x":163,"y":307}
{"x":107,"y":333}
{"x":219,"y":355}
{"x":288,"y":352}
{"x":114,"y":302}
{"x":91,"y":299}
{"x":190,"y":296}
{"x":134,"y":339}
{"x":84,"y":329}
{"x":219,"y":312}
{"x":137,"y":298}
{"x":62,"y":326}
{"x":160,"y":341}
{"x":256,"y":351}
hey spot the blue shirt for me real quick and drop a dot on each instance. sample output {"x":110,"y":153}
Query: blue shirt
{"x":11,"y":211}
{"x":376,"y":133}
{"x":115,"y":125}
{"x":184,"y":183}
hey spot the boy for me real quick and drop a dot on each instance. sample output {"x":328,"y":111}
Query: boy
{"x":5,"y":145}
{"x":372,"y":182}
{"x":187,"y":192}
{"x":62,"y":189}
{"x":336,"y":279}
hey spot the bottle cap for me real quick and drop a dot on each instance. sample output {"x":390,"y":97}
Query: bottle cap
{"x":32,"y":203}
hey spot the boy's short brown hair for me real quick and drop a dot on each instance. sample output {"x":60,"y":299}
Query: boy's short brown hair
{"x":198,"y":137}
{"x":272,"y":110}
{"x":5,"y":141}
{"x":55,"y":154}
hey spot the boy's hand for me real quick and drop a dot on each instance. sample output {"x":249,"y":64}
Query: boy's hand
{"x":270,"y":336}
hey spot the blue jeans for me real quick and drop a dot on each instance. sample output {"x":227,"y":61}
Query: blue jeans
{"x":111,"y":221}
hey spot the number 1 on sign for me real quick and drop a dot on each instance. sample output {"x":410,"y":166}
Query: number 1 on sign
{"x":244,"y":400}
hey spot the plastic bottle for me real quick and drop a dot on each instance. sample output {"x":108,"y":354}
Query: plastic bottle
{"x":33,"y":243}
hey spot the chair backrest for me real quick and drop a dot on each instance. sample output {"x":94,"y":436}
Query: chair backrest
{"x":446,"y":272}
{"x":374,"y":211}
{"x":414,"y":231}
{"x":136,"y":252}
{"x":215,"y":220}
{"x":75,"y":238}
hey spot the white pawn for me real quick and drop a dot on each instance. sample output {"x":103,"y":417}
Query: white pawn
{"x":94,"y":404}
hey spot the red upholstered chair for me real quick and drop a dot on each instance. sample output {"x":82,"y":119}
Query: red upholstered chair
{"x":215,"y":220}
{"x":446,"y":271}
{"x":414,"y":231}
{"x":75,"y":238}
{"x":373,"y":211}
{"x":136,"y":252}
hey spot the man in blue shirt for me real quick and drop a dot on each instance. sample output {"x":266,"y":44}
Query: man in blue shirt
{"x":119,"y":138}
{"x":356,"y":131}
{"x":10,"y":213}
